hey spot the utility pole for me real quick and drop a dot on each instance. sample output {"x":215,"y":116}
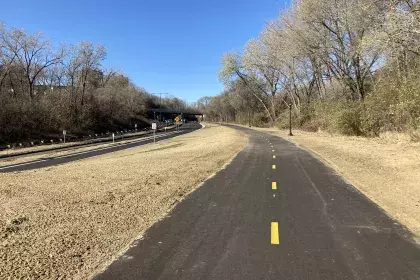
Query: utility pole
{"x":160,"y":96}
{"x":160,"y":101}
{"x":290,"y":119}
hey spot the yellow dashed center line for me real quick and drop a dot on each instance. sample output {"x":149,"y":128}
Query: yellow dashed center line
{"x":274,"y":185}
{"x":274,"y":166}
{"x":275,"y":239}
{"x":273,"y":151}
{"x":274,"y":156}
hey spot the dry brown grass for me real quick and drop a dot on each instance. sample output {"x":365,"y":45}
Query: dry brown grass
{"x":385,"y":169}
{"x":67,"y":221}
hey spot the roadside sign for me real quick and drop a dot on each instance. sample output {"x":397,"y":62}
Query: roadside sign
{"x":154,"y":132}
{"x":64,"y":132}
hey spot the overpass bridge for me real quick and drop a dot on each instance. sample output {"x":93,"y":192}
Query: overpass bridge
{"x":177,"y":111}
{"x":169,"y":111}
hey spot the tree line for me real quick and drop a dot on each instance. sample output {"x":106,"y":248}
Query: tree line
{"x":46,"y":88}
{"x":348,"y":66}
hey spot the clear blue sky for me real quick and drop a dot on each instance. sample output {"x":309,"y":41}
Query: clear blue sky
{"x":164,"y":46}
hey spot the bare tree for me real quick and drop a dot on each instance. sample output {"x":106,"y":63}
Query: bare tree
{"x":66,"y":76}
{"x":90,"y":58}
{"x":33,"y":55}
{"x":233,"y":67}
{"x":337,"y":32}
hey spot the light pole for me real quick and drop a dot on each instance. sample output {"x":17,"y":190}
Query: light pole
{"x":160,"y":102}
{"x":160,"y":97}
{"x":290,"y":119}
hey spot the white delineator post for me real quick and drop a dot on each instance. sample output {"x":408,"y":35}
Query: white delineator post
{"x":64,"y":136}
{"x":113,"y":138}
{"x":154,"y":132}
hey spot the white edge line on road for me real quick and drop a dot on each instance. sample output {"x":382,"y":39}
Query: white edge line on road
{"x":131,"y":142}
{"x":99,"y":149}
{"x":85,"y":152}
{"x":21,"y":164}
{"x":120,"y":145}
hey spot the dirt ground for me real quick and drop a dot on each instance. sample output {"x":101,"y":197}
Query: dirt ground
{"x":70,"y":220}
{"x":385,"y":169}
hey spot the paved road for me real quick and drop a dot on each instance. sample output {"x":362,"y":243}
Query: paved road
{"x":239,"y":225}
{"x":50,"y":161}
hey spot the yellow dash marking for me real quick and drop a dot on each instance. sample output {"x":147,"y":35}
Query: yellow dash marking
{"x":274,"y":156}
{"x":273,"y":150}
{"x":275,"y":239}
{"x":274,"y":185}
{"x":274,"y":166}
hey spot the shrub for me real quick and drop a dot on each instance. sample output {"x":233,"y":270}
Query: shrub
{"x":349,"y":120}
